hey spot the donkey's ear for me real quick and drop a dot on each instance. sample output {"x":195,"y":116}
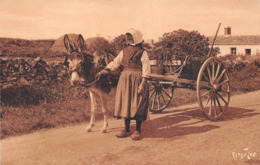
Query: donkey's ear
{"x":67,"y":44}
{"x":80,"y":43}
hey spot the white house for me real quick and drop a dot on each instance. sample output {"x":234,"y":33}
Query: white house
{"x":237,"y":45}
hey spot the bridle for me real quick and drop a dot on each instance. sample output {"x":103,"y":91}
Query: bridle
{"x":86,"y":62}
{"x":78,"y":68}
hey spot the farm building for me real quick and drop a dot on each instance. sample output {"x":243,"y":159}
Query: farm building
{"x":237,"y":45}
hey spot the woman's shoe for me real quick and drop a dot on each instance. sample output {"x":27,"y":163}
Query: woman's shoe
{"x":136,"y":136}
{"x":123,"y":134}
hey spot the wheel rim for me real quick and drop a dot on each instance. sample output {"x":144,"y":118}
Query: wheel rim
{"x":160,"y":96}
{"x":213,"y":91}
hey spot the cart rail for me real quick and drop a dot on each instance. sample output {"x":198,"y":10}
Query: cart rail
{"x":174,"y":80}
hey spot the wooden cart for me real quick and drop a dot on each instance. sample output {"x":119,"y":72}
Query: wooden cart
{"x":211,"y":84}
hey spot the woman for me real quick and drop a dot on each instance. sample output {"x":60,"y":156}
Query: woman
{"x":132,"y":90}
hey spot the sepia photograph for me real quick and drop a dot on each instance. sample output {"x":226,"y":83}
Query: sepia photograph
{"x":140,"y":82}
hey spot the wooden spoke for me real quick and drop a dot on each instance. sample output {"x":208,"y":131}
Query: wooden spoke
{"x":152,"y":94}
{"x":206,"y":93}
{"x":166,"y":93}
{"x":209,"y":98}
{"x":210,"y":78}
{"x":223,"y":82}
{"x":163,"y":99}
{"x":204,"y":84}
{"x":151,"y":89}
{"x":213,"y":71}
{"x":205,"y":76}
{"x":214,"y":97}
{"x":217,"y":72}
{"x":154,"y":100}
{"x":222,"y":98}
{"x":219,"y":104}
{"x":158,"y":98}
{"x":210,"y":107}
{"x":222,"y":73}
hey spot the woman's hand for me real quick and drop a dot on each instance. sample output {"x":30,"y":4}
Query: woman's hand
{"x":140,"y":89}
{"x":142,"y":86}
{"x":102,"y":72}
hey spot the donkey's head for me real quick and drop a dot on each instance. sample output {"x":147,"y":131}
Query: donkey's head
{"x":75,"y":61}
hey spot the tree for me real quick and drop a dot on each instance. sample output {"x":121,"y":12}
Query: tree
{"x":119,"y":43}
{"x":181,"y":43}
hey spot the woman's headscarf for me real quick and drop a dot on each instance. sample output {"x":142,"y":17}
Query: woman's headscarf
{"x":136,"y":34}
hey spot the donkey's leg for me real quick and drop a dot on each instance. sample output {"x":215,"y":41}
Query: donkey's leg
{"x":93,"y":100}
{"x":104,"y":110}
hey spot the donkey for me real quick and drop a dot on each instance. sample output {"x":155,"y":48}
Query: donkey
{"x":83,"y":69}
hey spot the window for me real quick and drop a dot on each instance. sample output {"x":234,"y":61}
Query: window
{"x":248,"y":52}
{"x":233,"y":51}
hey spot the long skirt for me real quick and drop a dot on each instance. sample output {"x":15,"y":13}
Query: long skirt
{"x":128,"y":103}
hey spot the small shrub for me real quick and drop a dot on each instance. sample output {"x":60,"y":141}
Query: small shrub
{"x":243,"y":72}
{"x":55,"y":91}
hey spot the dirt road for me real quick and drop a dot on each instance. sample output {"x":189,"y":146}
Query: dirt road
{"x":180,"y":135}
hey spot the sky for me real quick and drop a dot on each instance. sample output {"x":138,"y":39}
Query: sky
{"x":50,"y":19}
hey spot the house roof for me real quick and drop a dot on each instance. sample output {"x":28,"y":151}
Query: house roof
{"x":236,"y":40}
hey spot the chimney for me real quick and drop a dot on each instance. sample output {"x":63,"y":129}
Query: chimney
{"x":152,"y":41}
{"x":227,"y":31}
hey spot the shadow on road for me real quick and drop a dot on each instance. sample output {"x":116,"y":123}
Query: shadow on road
{"x":170,"y":125}
{"x":234,"y":113}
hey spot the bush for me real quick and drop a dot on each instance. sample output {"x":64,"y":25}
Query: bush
{"x":53,"y":92}
{"x":181,"y":43}
{"x":243,"y":72}
{"x":119,"y":43}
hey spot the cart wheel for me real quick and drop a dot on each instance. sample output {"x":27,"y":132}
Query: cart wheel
{"x":160,"y":96}
{"x":213,"y":92}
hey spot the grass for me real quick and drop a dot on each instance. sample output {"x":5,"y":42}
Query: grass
{"x":20,"y":120}
{"x":56,"y":104}
{"x":29,"y":118}
{"x":26,"y":119}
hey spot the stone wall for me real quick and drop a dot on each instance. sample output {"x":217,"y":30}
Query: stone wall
{"x":28,"y":71}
